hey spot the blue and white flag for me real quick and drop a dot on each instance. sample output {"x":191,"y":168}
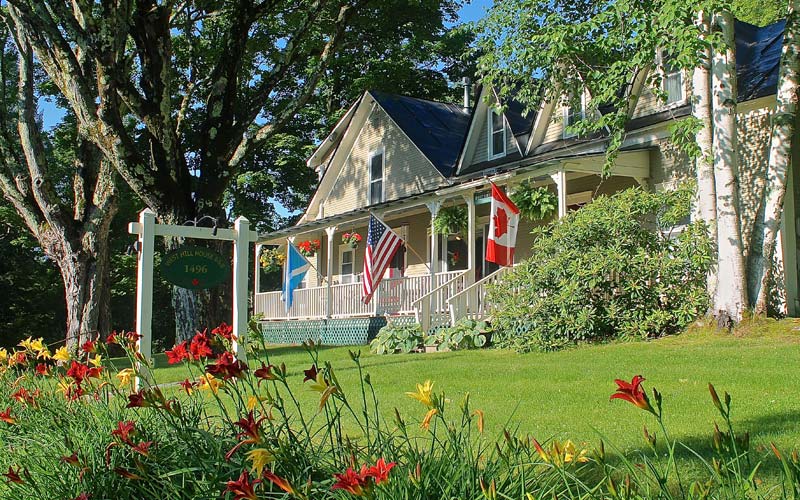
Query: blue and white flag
{"x":294,"y":270}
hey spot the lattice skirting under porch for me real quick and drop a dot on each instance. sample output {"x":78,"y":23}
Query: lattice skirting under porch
{"x":340,"y":331}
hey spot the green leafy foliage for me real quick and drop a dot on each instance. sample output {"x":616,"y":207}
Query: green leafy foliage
{"x":466,"y":334}
{"x":451,"y":220}
{"x":618,"y":268}
{"x":394,"y":338}
{"x":535,"y":203}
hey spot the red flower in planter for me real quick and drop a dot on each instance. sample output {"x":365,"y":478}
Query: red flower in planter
{"x":177,"y":353}
{"x":633,"y":393}
{"x":227,"y":367}
{"x":242,"y":488}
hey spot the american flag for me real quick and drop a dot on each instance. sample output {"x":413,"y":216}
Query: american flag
{"x":382,"y":244}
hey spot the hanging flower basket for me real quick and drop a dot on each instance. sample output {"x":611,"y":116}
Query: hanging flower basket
{"x":352,"y":239}
{"x":535,"y":203}
{"x":451,"y":220}
{"x":271,"y":260}
{"x":308,"y":248}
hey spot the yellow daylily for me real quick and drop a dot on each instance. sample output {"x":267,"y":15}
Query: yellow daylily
{"x":260,"y":458}
{"x":424,"y":394}
{"x":3,"y":356}
{"x":97,"y":361}
{"x":210,"y":383}
{"x":32,"y":345}
{"x":62,"y":354}
{"x":320,"y":384}
{"x":125,"y":376}
{"x":254,"y":401}
{"x":559,"y":454}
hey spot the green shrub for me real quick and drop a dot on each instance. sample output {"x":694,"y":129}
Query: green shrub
{"x":394,"y":338}
{"x":617,"y":268}
{"x":466,"y":334}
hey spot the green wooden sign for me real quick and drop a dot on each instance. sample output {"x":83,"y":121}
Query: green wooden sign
{"x":195,"y":267}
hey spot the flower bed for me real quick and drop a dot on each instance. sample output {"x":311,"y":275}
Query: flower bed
{"x":238,"y":432}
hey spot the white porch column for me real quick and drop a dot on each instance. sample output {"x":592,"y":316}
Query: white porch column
{"x":470,"y":200}
{"x":560,"y":178}
{"x":330,"y":231}
{"x":257,"y":270}
{"x":433,"y":207}
{"x":144,"y":290}
{"x":241,"y":252}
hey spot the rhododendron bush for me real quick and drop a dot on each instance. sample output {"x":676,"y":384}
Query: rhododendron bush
{"x":75,"y":426}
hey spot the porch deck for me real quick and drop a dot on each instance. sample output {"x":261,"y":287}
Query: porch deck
{"x":395,"y":296}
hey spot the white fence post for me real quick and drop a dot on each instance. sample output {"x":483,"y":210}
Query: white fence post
{"x":240,"y":257}
{"x":144,"y":291}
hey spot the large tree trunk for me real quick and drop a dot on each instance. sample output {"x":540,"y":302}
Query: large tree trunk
{"x":780,"y":156}
{"x":86,"y":283}
{"x":730,"y":299}
{"x":706,"y":208}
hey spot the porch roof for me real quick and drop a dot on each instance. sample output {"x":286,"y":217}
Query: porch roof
{"x":519,"y":171}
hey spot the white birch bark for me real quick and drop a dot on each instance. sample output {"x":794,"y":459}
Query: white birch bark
{"x":783,"y":128}
{"x":731,"y":294}
{"x":706,"y":206}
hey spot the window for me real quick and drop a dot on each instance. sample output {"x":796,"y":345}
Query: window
{"x":497,"y":135}
{"x":346,"y":264}
{"x":574,"y":111}
{"x":672,"y":83}
{"x":376,"y":177}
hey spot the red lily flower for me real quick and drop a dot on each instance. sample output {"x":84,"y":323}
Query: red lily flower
{"x":177,"y":354}
{"x":223,"y":330}
{"x":78,"y":372}
{"x":199,"y":348}
{"x":12,"y":476}
{"x":42,"y":369}
{"x":279,"y":482}
{"x":187,"y":385}
{"x":310,"y":374}
{"x":89,"y":347}
{"x":227,"y":367}
{"x":137,"y":400}
{"x":251,"y":432}
{"x":142,"y":448}
{"x":6,"y":417}
{"x":71,"y":460}
{"x":132,"y":337}
{"x":242,"y":488}
{"x":25,"y":397}
{"x":82,"y":496}
{"x":633,"y":393}
{"x":124,"y":431}
{"x":351,"y":482}
{"x":265,"y":373}
{"x":380,"y":471}
{"x":112,"y":338}
{"x":126,"y":474}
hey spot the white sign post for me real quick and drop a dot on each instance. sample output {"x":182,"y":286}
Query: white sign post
{"x":148,"y":229}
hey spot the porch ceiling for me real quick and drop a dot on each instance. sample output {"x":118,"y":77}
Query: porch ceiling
{"x":631,"y":163}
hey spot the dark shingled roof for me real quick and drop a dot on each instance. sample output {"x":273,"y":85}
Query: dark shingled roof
{"x":758,"y":55}
{"x":437,"y":129}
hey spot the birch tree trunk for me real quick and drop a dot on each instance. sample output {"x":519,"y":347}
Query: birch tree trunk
{"x":780,"y":157}
{"x":701,"y":110}
{"x":730,"y":297}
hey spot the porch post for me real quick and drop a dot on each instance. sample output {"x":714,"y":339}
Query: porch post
{"x":257,"y":271}
{"x":560,"y":178}
{"x":241,"y":252}
{"x":470,"y":200}
{"x":330,"y":231}
{"x":427,"y":309}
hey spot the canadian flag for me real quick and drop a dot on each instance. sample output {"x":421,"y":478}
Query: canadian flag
{"x":502,"y":229}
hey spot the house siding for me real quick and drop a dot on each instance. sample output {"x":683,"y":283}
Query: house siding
{"x":481,"y":153}
{"x":407,"y":171}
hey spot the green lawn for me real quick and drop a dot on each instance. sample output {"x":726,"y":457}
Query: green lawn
{"x":566,"y":394}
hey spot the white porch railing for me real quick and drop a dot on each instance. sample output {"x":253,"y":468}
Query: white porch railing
{"x":394,"y":296}
{"x":431,"y":308}
{"x":471,"y":301}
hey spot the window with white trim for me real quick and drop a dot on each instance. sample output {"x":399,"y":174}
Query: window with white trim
{"x":574,"y":111}
{"x":376,"y":168}
{"x":672,"y":81}
{"x":497,"y":134}
{"x":347,"y":260}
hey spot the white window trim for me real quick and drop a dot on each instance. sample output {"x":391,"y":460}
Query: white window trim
{"x":372,"y":154}
{"x":565,"y":111}
{"x":353,"y":275}
{"x":684,"y":94}
{"x":489,"y":127}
